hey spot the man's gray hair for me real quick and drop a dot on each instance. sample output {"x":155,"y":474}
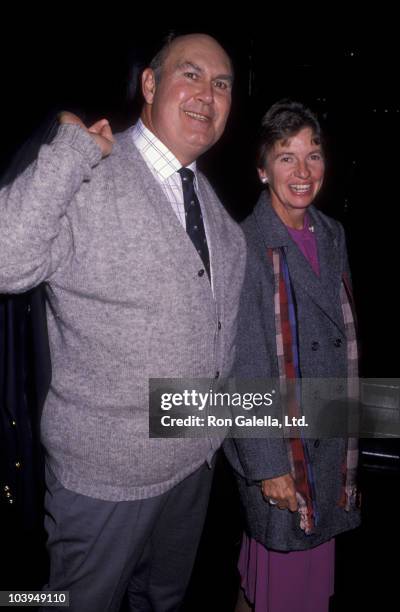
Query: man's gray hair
{"x":157,"y":62}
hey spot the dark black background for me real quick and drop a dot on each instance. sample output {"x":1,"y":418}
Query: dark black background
{"x":348,"y":75}
{"x":347,"y":70}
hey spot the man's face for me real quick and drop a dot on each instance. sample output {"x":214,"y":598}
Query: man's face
{"x":189,"y":106}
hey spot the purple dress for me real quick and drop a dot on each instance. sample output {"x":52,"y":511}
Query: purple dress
{"x":299,"y":581}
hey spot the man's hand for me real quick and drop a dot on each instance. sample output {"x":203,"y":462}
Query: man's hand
{"x":280,"y":490}
{"x":99,"y":131}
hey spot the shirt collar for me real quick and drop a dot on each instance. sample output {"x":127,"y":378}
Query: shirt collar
{"x":157,"y":156}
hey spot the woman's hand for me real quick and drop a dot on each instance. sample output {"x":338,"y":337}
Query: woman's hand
{"x":280,"y":491}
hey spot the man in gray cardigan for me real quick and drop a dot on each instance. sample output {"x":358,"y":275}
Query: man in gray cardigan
{"x":101,"y":219}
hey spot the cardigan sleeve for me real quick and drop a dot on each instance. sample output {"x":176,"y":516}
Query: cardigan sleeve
{"x":35,"y":236}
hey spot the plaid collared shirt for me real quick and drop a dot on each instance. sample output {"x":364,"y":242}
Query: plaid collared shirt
{"x":164,"y":166}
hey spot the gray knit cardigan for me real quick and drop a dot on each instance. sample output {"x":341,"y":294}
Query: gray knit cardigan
{"x":125,"y":303}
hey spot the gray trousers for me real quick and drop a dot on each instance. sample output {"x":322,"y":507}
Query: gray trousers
{"x":99,"y":550}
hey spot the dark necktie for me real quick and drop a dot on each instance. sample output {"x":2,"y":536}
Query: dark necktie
{"x":194,"y":218}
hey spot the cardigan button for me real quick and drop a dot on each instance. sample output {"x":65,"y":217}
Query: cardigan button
{"x":200,"y":272}
{"x":316,"y":443}
{"x":338,"y":342}
{"x":216,"y":375}
{"x":219,"y":325}
{"x":315,"y":345}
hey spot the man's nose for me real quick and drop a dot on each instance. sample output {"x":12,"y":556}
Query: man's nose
{"x":206,"y":92}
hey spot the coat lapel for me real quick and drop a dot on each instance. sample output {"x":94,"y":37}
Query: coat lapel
{"x":323,"y":289}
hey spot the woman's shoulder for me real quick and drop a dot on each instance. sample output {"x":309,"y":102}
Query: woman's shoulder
{"x":250,"y":225}
{"x":249,"y":228}
{"x":331,"y":225}
{"x":255,"y":243}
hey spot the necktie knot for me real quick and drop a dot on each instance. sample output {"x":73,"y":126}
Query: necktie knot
{"x":187,"y":175}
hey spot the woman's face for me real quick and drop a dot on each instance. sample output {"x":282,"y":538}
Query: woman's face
{"x":295,"y":171}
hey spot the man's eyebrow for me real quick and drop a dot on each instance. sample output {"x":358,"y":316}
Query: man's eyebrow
{"x":187,"y":64}
{"x":193,"y":66}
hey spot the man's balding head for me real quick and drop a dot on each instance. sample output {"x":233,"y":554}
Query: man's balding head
{"x":187,"y":92}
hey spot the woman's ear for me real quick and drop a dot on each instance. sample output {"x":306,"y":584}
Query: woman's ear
{"x":263,"y":175}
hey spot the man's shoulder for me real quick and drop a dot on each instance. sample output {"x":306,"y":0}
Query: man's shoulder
{"x":208,"y":191}
{"x":124,"y":138}
{"x":125,"y":148}
{"x":125,"y":159}
{"x":226,"y":221}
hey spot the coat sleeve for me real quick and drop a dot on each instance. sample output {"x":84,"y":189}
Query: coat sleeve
{"x":255,"y":458}
{"x":343,"y":249}
{"x":35,"y":236}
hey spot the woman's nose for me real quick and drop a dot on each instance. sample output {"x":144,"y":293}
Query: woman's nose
{"x":302,"y":170}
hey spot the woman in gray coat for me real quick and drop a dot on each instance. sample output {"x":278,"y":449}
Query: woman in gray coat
{"x":296,"y":321}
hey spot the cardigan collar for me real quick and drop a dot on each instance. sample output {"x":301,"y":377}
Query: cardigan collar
{"x":176,"y":236}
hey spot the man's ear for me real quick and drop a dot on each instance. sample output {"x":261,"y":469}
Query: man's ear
{"x":148,"y":85}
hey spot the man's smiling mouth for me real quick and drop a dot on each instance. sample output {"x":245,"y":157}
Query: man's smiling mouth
{"x":197,"y":116}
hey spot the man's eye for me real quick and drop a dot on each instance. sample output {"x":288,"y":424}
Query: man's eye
{"x":286,"y":159}
{"x":221,"y":84}
{"x":316,"y":157}
{"x":191,"y":75}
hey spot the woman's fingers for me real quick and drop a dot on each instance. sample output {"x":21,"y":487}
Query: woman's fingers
{"x":280,"y":490}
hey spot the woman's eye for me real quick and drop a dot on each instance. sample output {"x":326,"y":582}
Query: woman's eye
{"x":316,"y":157}
{"x":191,"y":75}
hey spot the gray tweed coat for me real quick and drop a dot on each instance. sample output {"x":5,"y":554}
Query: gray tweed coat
{"x":322,"y":348}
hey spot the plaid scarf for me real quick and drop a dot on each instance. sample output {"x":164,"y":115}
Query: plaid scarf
{"x":350,"y":497}
{"x":290,"y":385}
